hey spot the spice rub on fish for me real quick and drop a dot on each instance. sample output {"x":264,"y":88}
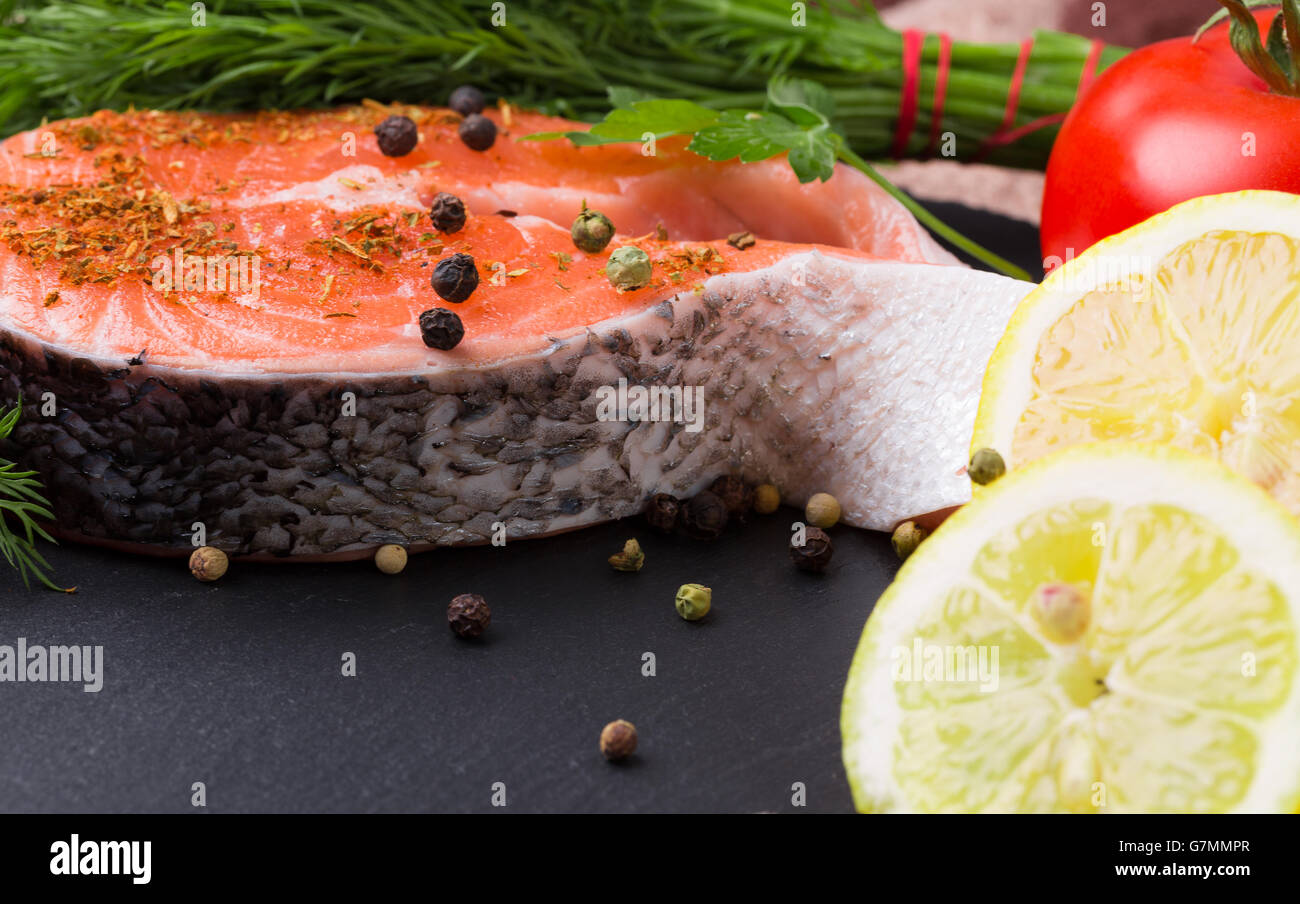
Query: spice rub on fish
{"x":295,"y":409}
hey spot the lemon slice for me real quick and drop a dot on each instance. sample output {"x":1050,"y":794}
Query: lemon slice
{"x":978,"y":687}
{"x":1182,"y":329}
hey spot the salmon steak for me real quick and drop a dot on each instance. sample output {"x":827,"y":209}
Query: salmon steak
{"x":214,"y":324}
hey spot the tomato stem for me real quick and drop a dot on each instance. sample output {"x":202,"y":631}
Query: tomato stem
{"x":1291,"y":20}
{"x":1277,"y":61}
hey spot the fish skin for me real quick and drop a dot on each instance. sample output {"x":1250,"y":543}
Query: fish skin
{"x":823,"y":368}
{"x":272,"y":467}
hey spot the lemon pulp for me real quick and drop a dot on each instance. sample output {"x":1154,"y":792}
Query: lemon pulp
{"x":1179,"y":695}
{"x":1203,"y":356}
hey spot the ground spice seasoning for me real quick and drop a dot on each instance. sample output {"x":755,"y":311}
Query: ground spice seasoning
{"x":111,"y":228}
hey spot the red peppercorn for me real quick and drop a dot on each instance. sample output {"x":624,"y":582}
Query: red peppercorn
{"x":816,"y":552}
{"x":469,"y":615}
{"x":661,"y":512}
{"x":704,"y":517}
{"x":737,"y":495}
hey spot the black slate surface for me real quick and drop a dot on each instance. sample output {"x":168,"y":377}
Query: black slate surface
{"x":238,"y":684}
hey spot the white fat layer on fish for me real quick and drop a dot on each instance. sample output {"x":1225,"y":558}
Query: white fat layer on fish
{"x":347,"y":188}
{"x":878,"y":382}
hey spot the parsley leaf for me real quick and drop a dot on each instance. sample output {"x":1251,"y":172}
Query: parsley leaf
{"x":758,"y":136}
{"x":796,"y":120}
{"x":735,"y":134}
{"x":657,"y":117}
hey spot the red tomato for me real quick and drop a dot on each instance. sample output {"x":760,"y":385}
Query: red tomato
{"x":1171,"y":121}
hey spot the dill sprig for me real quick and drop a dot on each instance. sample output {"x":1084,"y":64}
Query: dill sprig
{"x":71,"y":58}
{"x":21,"y":504}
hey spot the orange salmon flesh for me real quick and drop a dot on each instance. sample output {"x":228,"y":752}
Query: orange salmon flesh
{"x":93,"y":211}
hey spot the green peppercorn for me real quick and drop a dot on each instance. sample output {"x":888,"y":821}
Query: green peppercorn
{"x":906,"y":538}
{"x":986,"y":466}
{"x":694,"y":601}
{"x":628,"y":268}
{"x":592,"y":231}
{"x":630,"y":559}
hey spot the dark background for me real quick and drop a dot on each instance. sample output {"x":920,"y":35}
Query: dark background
{"x":238,"y":684}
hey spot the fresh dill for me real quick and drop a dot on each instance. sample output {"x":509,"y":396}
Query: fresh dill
{"x":21,"y":506}
{"x":77,"y":56}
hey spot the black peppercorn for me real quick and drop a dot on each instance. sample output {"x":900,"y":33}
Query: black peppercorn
{"x":466,"y":100}
{"x":816,"y":552}
{"x":661,"y":512}
{"x":447,"y":212}
{"x":441,"y":329}
{"x":704,"y":516}
{"x":397,"y":136}
{"x":737,"y":495}
{"x":455,"y":278}
{"x":469,"y":615}
{"x":478,"y":132}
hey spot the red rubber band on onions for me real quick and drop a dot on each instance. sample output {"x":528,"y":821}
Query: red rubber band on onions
{"x":1005,"y":134}
{"x":940,"y":92}
{"x":913,"y":41}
